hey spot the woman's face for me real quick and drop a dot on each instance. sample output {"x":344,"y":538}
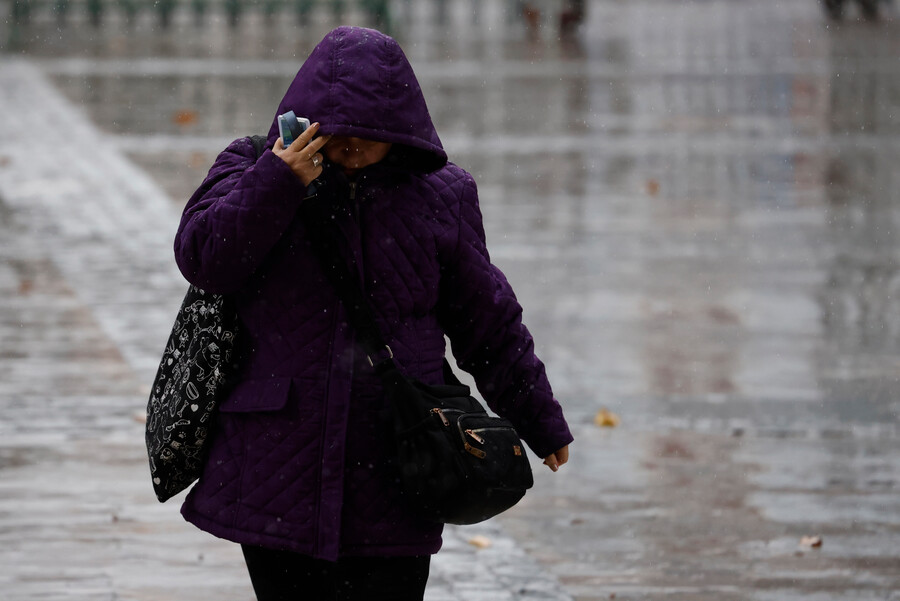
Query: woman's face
{"x":354,"y":153}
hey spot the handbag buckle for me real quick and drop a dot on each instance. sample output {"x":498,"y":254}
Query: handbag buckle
{"x":390,"y":355}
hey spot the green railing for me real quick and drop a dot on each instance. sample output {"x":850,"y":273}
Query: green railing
{"x":21,"y":11}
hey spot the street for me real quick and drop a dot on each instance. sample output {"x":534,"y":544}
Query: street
{"x":697,"y":204}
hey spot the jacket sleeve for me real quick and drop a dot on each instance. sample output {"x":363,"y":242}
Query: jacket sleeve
{"x":483,"y":319}
{"x":235,"y":218}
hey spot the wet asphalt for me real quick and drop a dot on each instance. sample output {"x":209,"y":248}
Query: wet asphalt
{"x":696,"y":202}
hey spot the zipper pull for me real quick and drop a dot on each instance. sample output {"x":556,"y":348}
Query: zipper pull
{"x":354,"y":202}
{"x":437,"y":411}
{"x":476,"y":452}
{"x":475,"y":437}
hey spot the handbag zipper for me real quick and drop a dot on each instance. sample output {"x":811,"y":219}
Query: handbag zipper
{"x":469,"y":448}
{"x":440,"y":413}
{"x":474,"y":431}
{"x":474,"y":436}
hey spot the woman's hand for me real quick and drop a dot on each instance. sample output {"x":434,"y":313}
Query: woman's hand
{"x":557,"y":459}
{"x":302,"y":156}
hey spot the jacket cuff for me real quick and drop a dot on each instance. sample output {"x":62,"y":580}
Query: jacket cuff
{"x":272,"y":169}
{"x":548,"y":434}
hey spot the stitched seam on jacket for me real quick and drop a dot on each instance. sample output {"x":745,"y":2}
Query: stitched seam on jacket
{"x":317,"y":525}
{"x":331,"y":88}
{"x":239,"y":502}
{"x":390,"y":105}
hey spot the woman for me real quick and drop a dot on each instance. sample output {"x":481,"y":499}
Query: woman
{"x":298,"y":470}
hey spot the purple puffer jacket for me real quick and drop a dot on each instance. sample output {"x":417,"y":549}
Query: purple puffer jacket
{"x":299,"y":456}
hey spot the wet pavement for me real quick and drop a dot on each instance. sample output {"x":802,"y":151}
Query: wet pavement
{"x":697,"y":204}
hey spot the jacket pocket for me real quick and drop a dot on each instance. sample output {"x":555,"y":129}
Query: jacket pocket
{"x":248,"y":396}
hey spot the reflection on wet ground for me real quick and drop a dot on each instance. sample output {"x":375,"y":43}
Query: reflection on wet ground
{"x":697,"y":203}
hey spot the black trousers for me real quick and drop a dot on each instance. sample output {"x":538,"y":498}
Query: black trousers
{"x":287,"y":576}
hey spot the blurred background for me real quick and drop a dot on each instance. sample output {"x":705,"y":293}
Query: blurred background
{"x":697,"y":202}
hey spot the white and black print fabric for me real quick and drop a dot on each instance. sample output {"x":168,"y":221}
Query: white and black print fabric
{"x":188,"y":387}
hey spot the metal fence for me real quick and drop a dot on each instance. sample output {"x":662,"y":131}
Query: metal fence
{"x":96,"y":11}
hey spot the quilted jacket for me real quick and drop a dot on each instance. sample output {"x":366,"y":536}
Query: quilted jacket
{"x":299,"y":459}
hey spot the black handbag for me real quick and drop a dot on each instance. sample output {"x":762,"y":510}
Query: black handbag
{"x":457,"y":464}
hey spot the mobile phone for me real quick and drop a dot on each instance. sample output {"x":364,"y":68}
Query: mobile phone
{"x":290,"y":126}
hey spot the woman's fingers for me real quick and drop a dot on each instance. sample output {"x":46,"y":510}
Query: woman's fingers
{"x":557,"y":459}
{"x":305,"y":145}
{"x":317,"y":144}
{"x":303,"y":156}
{"x":303,"y":139}
{"x":562,"y":456}
{"x":551,"y":463}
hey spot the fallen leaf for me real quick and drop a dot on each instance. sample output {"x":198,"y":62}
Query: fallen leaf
{"x":606,"y":419}
{"x":185,"y":117}
{"x":811,"y":541}
{"x":652,"y":187}
{"x":482,"y":542}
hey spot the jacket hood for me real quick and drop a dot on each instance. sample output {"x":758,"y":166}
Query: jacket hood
{"x":358,"y":82}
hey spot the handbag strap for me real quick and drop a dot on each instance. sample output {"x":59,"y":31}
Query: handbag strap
{"x":342,"y":276}
{"x":324,"y":238}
